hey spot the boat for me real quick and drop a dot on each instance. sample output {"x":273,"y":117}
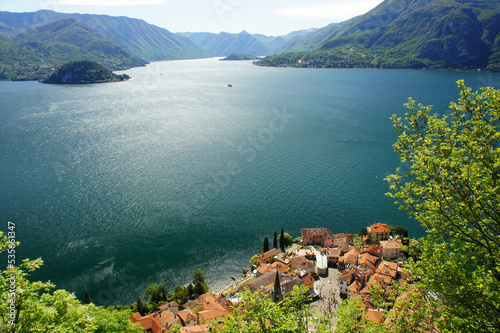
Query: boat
{"x":230,"y":85}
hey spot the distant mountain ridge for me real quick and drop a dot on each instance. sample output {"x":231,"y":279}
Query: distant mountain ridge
{"x":224,"y":43}
{"x":142,"y":39}
{"x":405,"y":34}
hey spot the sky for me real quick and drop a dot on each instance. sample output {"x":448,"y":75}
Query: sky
{"x":269,"y":17}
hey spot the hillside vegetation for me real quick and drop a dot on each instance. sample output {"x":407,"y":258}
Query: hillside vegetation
{"x":454,"y":34}
{"x":83,"y":72}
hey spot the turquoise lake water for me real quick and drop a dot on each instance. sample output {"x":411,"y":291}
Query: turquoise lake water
{"x":121,"y":185}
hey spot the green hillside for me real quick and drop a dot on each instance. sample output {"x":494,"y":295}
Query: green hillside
{"x":33,"y":53}
{"x":455,"y":34}
{"x":83,"y":72}
{"x":143,"y":40}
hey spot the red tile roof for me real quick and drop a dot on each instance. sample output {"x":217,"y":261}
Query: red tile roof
{"x":380,"y":228}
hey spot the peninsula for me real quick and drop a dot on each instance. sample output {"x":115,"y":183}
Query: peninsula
{"x":83,"y":72}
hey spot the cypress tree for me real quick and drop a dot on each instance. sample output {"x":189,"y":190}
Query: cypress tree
{"x":266,"y":245}
{"x":275,"y":240}
{"x":282,"y":240}
{"x":141,"y":308}
{"x":87,"y":298}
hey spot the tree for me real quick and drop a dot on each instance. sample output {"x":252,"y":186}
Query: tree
{"x":275,"y":240}
{"x":282,"y":240}
{"x":288,"y":240}
{"x":141,"y":307}
{"x":453,"y":190}
{"x":363,"y":232}
{"x":87,"y":298}
{"x":156,"y":293}
{"x":266,"y":245}
{"x":199,"y":283}
{"x":257,"y":313}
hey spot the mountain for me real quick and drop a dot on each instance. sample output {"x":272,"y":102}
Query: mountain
{"x":31,"y":54}
{"x":406,"y":34}
{"x":275,"y":43}
{"x":144,"y":40}
{"x":224,"y":43}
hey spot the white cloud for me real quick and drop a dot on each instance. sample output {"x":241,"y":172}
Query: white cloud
{"x":110,"y":2}
{"x":332,"y":11}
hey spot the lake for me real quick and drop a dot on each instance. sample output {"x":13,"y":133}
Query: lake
{"x":117,"y":186}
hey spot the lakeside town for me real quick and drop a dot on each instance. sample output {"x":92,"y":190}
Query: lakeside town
{"x":331,"y":266}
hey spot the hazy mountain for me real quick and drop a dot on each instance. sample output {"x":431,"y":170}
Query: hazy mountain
{"x":144,"y":40}
{"x":224,"y":43}
{"x":33,"y":52}
{"x":407,"y":34}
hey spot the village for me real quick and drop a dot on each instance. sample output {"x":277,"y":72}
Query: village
{"x":332,"y":267}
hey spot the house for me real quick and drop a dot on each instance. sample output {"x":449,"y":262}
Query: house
{"x":336,"y":239}
{"x":345,"y":280}
{"x":308,"y":280}
{"x":154,"y":322}
{"x":265,"y":268}
{"x":378,"y":232}
{"x":266,"y":282}
{"x":172,"y":307}
{"x":302,"y":264}
{"x":209,"y":310}
{"x":354,"y":288}
{"x":368,"y":263}
{"x":196,"y":329}
{"x":373,"y":250}
{"x":188,"y":317}
{"x":267,"y":257}
{"x":374,"y":316}
{"x":350,"y":259}
{"x":391,"y":248}
{"x":315,"y":236}
{"x":333,"y":255}
{"x":388,"y":268}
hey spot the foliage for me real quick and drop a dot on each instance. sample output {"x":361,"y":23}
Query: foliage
{"x":265,"y":246}
{"x":351,"y":318}
{"x":288,"y":240}
{"x":275,"y":240}
{"x":363,"y":232}
{"x":83,"y":72}
{"x":257,"y":313}
{"x":281,"y":239}
{"x":38,"y":307}
{"x":453,"y":190}
{"x":157,"y":293}
{"x":403,"y":34}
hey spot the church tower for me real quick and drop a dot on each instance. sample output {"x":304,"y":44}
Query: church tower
{"x":276,"y":293}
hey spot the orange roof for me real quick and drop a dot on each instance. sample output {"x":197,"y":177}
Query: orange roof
{"x":308,"y":280}
{"x":209,"y":314}
{"x":377,"y":250}
{"x":320,"y":232}
{"x":380,"y":228}
{"x":382,"y":278}
{"x":154,"y":321}
{"x":270,"y":254}
{"x":388,"y":268}
{"x":391,"y":244}
{"x":195,"y":329}
{"x":187,"y":315}
{"x":374,"y":316}
{"x":355,"y":287}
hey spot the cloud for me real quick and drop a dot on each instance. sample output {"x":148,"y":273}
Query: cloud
{"x":110,"y":2}
{"x":332,"y":11}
